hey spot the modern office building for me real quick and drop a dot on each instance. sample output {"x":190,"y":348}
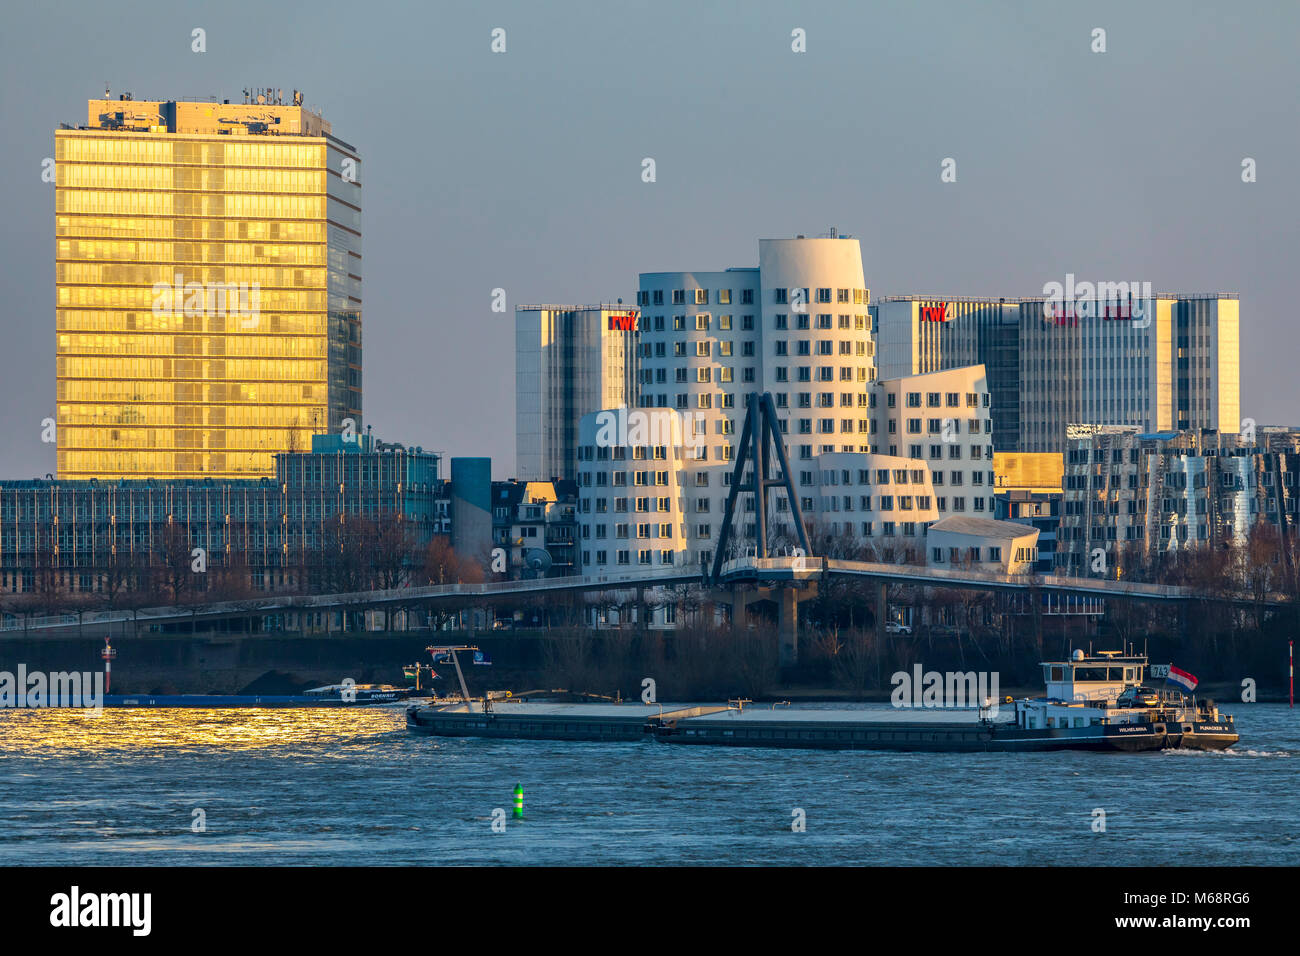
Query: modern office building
{"x":570,"y":360}
{"x":106,"y":537}
{"x":1129,"y":494}
{"x":208,"y":287}
{"x":919,"y":334}
{"x":1163,"y":362}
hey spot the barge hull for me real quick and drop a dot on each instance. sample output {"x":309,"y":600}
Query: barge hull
{"x":716,"y":726}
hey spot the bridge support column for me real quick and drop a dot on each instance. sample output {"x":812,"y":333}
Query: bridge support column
{"x":788,"y":627}
{"x":882,"y":610}
{"x":739,"y":616}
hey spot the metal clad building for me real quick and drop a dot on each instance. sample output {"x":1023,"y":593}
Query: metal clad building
{"x":570,"y":360}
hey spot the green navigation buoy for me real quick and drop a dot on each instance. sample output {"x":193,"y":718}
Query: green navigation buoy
{"x":519,"y":801}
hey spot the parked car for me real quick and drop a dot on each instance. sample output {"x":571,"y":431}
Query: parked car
{"x":1139,"y":697}
{"x":893,"y":627}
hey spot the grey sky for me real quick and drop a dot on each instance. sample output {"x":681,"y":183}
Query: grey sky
{"x":522,"y":170}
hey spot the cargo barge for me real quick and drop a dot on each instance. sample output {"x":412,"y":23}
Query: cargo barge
{"x":1093,"y":702}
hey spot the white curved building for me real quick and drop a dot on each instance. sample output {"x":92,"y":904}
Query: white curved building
{"x":630,"y":495}
{"x":799,"y":326}
{"x":872,"y":507}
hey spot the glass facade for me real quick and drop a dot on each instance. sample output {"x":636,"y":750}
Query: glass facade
{"x":208,"y":292}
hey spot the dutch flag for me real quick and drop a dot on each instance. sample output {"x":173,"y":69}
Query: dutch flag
{"x":1183,"y":679}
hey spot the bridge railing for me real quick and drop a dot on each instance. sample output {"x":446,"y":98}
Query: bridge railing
{"x":363,"y":600}
{"x":922,"y":575}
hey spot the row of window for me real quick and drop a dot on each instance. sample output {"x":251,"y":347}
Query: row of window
{"x":643,"y":556}
{"x":951,"y":399}
{"x":955,"y":556}
{"x":697,"y":296}
{"x":746,"y":296}
{"x":831,"y":503}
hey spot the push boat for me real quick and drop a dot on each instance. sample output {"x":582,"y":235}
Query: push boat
{"x":1099,"y":701}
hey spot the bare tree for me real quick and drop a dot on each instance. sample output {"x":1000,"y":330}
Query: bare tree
{"x":174,"y":562}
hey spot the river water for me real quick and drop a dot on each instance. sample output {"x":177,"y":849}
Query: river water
{"x":352,"y":786}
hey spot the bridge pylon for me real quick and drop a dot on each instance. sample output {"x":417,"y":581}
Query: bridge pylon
{"x":760,"y":442}
{"x":760,"y":438}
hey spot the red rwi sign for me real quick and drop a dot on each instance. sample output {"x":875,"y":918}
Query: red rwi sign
{"x":623,"y":323}
{"x":934,"y":313}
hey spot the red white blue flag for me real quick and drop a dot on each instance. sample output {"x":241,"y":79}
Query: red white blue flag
{"x":1183,"y":679}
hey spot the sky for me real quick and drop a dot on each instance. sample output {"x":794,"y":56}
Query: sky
{"x":522,"y":170}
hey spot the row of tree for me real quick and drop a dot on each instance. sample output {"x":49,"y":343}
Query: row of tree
{"x":361,"y":555}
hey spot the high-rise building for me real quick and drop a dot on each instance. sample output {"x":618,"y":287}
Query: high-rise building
{"x":570,"y":360}
{"x":1156,"y":363}
{"x":208,"y":287}
{"x":920,"y":334}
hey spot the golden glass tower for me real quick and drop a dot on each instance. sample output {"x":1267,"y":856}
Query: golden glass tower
{"x":208,"y":287}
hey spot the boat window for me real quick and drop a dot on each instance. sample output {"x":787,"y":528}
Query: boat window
{"x":1057,"y":674}
{"x":1129,"y":674}
{"x":1091,"y":673}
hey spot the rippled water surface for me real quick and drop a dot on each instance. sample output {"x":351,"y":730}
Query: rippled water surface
{"x":354,"y":787}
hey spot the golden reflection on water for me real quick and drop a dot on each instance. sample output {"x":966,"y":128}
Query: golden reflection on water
{"x":55,"y":732}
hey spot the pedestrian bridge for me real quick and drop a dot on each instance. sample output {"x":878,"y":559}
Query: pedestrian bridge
{"x":742,"y":573}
